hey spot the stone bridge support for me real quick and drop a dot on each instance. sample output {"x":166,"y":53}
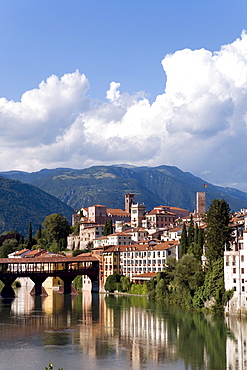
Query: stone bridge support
{"x":67,"y":284}
{"x":8,"y":291}
{"x":94,"y":283}
{"x":38,"y":289}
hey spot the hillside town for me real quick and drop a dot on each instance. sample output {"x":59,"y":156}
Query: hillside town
{"x":138,"y":243}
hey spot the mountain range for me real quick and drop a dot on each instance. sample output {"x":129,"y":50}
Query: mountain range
{"x":107,"y":185}
{"x":21,"y":203}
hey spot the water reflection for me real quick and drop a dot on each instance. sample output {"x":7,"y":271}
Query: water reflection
{"x":118,"y":331}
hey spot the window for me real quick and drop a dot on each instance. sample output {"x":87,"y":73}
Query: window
{"x":243,"y":289}
{"x":242,"y":258}
{"x":234,"y":281}
{"x":242,"y":270}
{"x":234,"y":270}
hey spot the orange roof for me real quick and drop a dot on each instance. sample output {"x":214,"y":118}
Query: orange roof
{"x":141,"y":247}
{"x":175,"y":229}
{"x":121,"y":233}
{"x":160,"y":212}
{"x":117,"y":212}
{"x":42,"y":259}
{"x":147,"y":275}
{"x":35,"y":252}
{"x":179,"y":209}
{"x":21,"y":252}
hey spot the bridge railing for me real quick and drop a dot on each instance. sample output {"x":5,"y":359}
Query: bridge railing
{"x":45,"y":267}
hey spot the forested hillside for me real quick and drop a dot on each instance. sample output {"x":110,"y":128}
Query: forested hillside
{"x":107,"y":185}
{"x":21,"y":203}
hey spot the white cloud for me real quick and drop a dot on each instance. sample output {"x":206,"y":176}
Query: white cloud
{"x":199,"y":123}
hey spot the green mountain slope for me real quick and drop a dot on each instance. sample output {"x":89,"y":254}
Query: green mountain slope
{"x":107,"y":185}
{"x":21,"y":203}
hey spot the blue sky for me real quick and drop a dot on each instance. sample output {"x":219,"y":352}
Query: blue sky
{"x":140,"y":82}
{"x":112,"y":40}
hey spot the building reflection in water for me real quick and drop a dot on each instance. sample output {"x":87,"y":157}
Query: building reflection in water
{"x":130,"y":331}
{"x":105,"y":327}
{"x":236,"y":347}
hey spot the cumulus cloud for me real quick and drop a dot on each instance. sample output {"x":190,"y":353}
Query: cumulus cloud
{"x":199,"y":123}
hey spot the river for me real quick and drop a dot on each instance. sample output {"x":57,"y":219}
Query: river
{"x":97,"y":331}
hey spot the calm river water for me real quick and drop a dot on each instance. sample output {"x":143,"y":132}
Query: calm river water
{"x":114,"y":332}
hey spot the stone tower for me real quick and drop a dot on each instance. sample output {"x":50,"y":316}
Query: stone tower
{"x":200,"y":202}
{"x":129,"y":200}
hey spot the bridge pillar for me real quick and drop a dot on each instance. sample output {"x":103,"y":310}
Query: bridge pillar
{"x":8,"y":291}
{"x":94,"y":284}
{"x":38,"y":289}
{"x":67,"y":281}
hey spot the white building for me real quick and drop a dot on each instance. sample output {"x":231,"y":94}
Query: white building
{"x":143,"y":258}
{"x":235,"y":274}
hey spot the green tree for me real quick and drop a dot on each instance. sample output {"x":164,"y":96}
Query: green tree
{"x":8,"y":246}
{"x":171,"y":264}
{"x":196,"y":234}
{"x":191,"y":231}
{"x":189,"y":274}
{"x":126,"y":283}
{"x":30,"y":235}
{"x":38,"y":234}
{"x":184,"y":240}
{"x":111,"y":282}
{"x":76,"y":228}
{"x":196,"y":250}
{"x":218,"y":230}
{"x":160,"y":290}
{"x":201,"y":237}
{"x":108,"y":228}
{"x":214,"y":287}
{"x":55,"y":230}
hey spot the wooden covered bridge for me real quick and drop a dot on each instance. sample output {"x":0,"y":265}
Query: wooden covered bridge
{"x":39,"y":268}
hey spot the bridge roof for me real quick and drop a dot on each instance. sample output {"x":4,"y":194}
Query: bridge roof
{"x":56,"y":259}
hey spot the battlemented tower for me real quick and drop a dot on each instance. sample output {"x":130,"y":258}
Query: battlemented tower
{"x":129,"y":200}
{"x":200,"y":202}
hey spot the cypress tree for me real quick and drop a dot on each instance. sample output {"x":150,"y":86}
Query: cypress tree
{"x":200,"y":237}
{"x":105,"y":231}
{"x":108,"y":228}
{"x":218,"y":231}
{"x":196,"y":234}
{"x":30,"y":235}
{"x":184,"y":240}
{"x":38,"y":233}
{"x":191,"y":231}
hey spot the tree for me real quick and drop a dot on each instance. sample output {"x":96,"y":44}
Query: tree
{"x":189,"y":274}
{"x":56,"y":230}
{"x":108,"y":228}
{"x":126,"y":283}
{"x":184,"y":240}
{"x":196,"y":250}
{"x":38,"y":234}
{"x":196,"y":234}
{"x":218,"y":231}
{"x":191,"y":231}
{"x":76,"y":228}
{"x":160,"y":290}
{"x":8,"y":246}
{"x":30,"y":235}
{"x":111,"y":282}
